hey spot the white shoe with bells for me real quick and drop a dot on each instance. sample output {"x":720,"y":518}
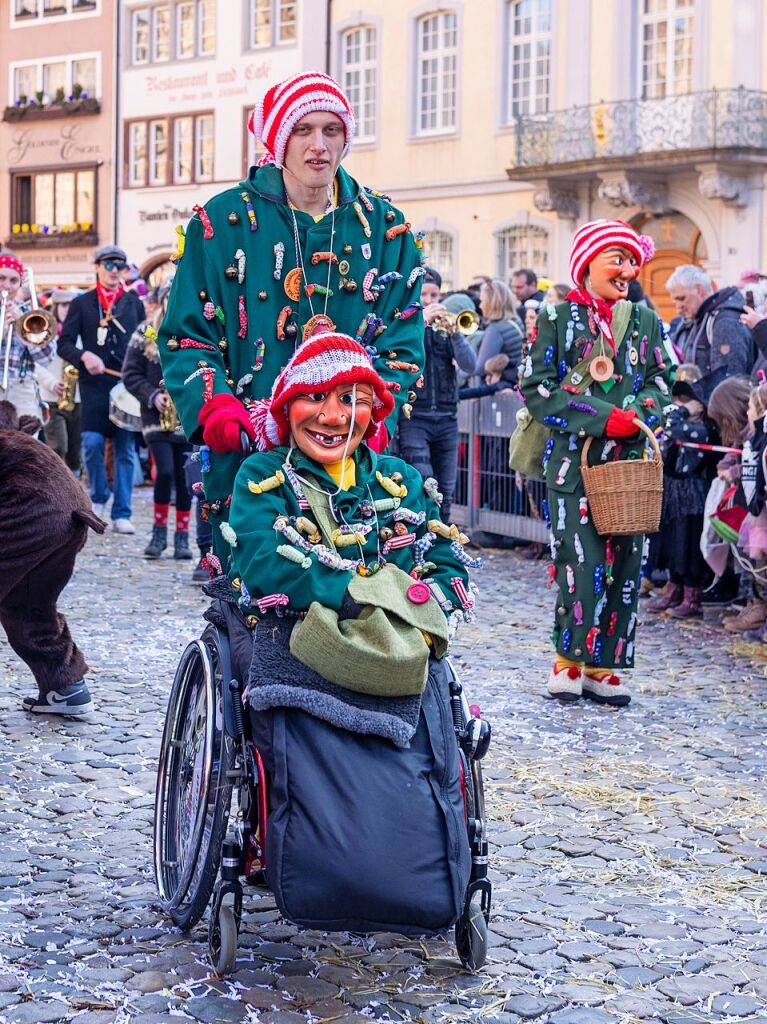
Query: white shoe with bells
{"x":566,"y":684}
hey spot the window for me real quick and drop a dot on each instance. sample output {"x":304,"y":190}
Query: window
{"x":666,"y":54}
{"x":272,"y":22}
{"x":182,"y":28}
{"x":57,"y":75}
{"x":529,"y":48}
{"x":438,"y":246}
{"x":35,"y":10}
{"x":169,"y":150}
{"x":437,"y":73}
{"x":522,"y":245}
{"x":54,"y":199}
{"x":359,"y":53}
{"x":252,"y":148}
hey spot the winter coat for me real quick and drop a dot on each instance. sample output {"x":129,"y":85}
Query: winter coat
{"x":234,"y":327}
{"x":439,"y":394}
{"x":142,"y":377}
{"x":715,"y":336}
{"x":82,"y":321}
{"x":501,"y":336}
{"x":265,"y":571}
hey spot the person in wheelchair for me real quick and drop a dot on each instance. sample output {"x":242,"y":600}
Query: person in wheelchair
{"x":347,"y":576}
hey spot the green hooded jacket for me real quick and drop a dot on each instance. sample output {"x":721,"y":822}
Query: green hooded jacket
{"x":214,"y":319}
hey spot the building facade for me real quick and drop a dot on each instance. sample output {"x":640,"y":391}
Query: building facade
{"x":57,"y":184}
{"x":499,"y":125}
{"x":190,"y":72}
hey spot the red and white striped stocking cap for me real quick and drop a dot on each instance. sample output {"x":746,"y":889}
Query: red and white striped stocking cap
{"x":275,"y":116}
{"x":320,"y":364}
{"x":598,"y":235}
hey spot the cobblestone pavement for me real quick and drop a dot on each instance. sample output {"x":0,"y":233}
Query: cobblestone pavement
{"x":629,"y":849}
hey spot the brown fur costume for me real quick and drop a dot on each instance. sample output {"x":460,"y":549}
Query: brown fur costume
{"x":44,"y":521}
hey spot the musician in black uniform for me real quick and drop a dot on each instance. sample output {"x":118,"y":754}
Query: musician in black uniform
{"x":104,"y":318}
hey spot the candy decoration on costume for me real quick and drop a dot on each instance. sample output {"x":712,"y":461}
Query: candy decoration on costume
{"x":561,"y":515}
{"x":397,"y":229}
{"x":249,"y":210}
{"x":367,"y":292}
{"x":399,"y":364}
{"x":269,"y":483}
{"x":563,"y":469}
{"x":317,"y":289}
{"x":391,"y":275}
{"x":463,"y":558}
{"x":627,"y":591}
{"x":285,"y":312}
{"x":583,"y":508}
{"x":272,"y":601}
{"x":242,"y":316}
{"x":178,"y":252}
{"x":405,"y":515}
{"x":362,"y":219}
{"x":599,"y":579}
{"x":386,"y":504}
{"x":209,"y":311}
{"x":228,"y":534}
{"x":293,"y":555}
{"x":578,"y":545}
{"x":327,"y":257}
{"x":240,"y":257}
{"x":567,"y":639}
{"x":242,"y":383}
{"x":279,"y":259}
{"x":578,"y":613}
{"x":403,"y":541}
{"x":367,"y":204}
{"x":260,"y":350}
{"x":555,"y":421}
{"x":392,"y":488}
{"x":207,"y":227}
{"x":613,"y":622}
{"x":570,"y":572}
{"x":414,"y":274}
{"x":192,"y":343}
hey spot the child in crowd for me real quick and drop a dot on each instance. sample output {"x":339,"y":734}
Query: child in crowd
{"x":687,"y":475}
{"x":340,"y":560}
{"x":494,"y":379}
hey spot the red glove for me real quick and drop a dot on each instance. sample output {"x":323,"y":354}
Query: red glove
{"x":620,"y":423}
{"x":379,"y":442}
{"x":222,"y":419}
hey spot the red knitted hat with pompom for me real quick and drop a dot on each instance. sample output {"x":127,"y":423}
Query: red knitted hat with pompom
{"x":320,"y":364}
{"x":276,"y":115}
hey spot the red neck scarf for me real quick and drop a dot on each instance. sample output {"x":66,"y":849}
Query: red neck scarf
{"x":600,"y":309}
{"x":108,"y":296}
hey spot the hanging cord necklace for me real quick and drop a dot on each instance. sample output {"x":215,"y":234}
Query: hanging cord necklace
{"x":317,"y":319}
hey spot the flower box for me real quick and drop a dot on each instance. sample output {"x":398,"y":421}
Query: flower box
{"x":51,"y":111}
{"x":51,"y":240}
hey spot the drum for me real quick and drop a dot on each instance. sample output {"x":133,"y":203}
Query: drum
{"x":124,"y":409}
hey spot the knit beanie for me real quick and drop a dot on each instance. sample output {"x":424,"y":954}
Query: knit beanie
{"x":12,"y":262}
{"x":276,"y":115}
{"x":320,"y":364}
{"x":598,"y":235}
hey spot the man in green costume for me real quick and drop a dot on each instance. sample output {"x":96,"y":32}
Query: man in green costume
{"x":597,"y":364}
{"x":298,"y":248}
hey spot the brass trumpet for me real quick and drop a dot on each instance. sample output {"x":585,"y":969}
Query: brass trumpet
{"x":37,"y":326}
{"x":69,"y":376}
{"x":466,"y":322}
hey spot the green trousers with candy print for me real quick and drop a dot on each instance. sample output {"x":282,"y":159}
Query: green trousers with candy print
{"x":597,"y":582}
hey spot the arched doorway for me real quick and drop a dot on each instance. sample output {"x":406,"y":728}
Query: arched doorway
{"x":157,"y":269}
{"x":677,"y":240}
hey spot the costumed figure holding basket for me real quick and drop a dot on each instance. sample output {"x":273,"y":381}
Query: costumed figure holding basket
{"x":596,"y":379}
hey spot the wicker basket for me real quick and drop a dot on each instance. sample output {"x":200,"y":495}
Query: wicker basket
{"x":625,"y":497}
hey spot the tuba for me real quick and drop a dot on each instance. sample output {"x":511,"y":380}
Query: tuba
{"x":37,"y":326}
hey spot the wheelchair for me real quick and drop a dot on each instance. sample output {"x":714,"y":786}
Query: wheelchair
{"x":212,"y":803}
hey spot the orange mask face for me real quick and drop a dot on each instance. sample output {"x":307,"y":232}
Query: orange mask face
{"x":610,"y":273}
{"x":321,"y":421}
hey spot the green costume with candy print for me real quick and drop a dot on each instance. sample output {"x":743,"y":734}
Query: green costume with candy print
{"x":596,"y":577}
{"x":231,"y":326}
{"x":259,"y":556}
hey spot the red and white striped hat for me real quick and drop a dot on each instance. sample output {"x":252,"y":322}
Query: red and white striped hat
{"x":320,"y":364}
{"x":275,"y":116}
{"x":598,"y":235}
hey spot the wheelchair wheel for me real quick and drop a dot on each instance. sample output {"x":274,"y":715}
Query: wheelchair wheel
{"x":471,"y":933}
{"x":194,"y":784}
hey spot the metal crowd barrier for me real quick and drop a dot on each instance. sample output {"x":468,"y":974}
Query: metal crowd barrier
{"x":490,"y":496}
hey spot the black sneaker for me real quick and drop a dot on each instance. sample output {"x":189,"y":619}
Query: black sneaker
{"x":71,"y":702}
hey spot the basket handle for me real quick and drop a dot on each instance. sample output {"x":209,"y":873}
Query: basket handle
{"x":642,"y":426}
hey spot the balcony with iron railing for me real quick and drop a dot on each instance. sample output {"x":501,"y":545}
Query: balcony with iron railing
{"x":716,"y":124}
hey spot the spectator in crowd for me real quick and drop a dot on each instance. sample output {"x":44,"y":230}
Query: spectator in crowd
{"x":531,"y":318}
{"x":62,"y":431}
{"x":142,"y":376}
{"x":24,"y":359}
{"x":503,"y":332}
{"x":524,"y":285}
{"x":428,"y":440}
{"x":687,"y":475}
{"x":494,"y":382}
{"x":752,"y":541}
{"x":473,"y":290}
{"x":711,"y":334}
{"x":104,"y":318}
{"x":753,"y":317}
{"x":557,"y":293}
